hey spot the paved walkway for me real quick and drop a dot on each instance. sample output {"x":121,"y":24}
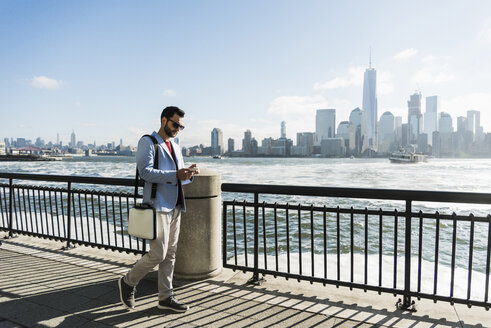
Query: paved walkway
{"x":43,"y":286}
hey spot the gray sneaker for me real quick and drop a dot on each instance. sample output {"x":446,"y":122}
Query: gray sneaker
{"x":172,"y":304}
{"x":126,"y":294}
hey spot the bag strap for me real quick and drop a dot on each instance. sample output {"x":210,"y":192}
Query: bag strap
{"x":155,"y":166}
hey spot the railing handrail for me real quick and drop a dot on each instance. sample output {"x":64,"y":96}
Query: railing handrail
{"x":365,"y":193}
{"x":130,"y":182}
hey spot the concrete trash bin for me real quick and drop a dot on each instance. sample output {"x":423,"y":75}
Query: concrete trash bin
{"x":199,"y":248}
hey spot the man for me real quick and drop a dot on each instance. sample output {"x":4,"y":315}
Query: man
{"x":169,"y":202}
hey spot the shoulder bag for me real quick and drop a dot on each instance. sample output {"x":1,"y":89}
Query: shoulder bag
{"x":142,"y":218}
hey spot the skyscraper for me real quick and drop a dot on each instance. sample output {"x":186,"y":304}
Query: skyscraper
{"x":325,"y":124}
{"x":414,"y":118}
{"x":216,"y":141}
{"x":461,"y":124}
{"x":474,"y":124}
{"x":370,"y":103}
{"x":346,"y":130}
{"x":73,"y":140}
{"x":431,"y":117}
{"x":283,"y":130}
{"x":445,"y":128}
{"x":3,"y":148}
{"x":445,"y":123}
{"x":231,"y":146}
{"x":21,"y":142}
{"x":305,"y":143}
{"x":386,"y":132}
{"x":357,"y":118}
{"x":246,"y":142}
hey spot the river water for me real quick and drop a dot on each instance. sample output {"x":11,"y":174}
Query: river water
{"x":468,"y":175}
{"x":437,"y":174}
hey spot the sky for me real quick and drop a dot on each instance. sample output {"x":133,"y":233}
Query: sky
{"x":106,"y":69}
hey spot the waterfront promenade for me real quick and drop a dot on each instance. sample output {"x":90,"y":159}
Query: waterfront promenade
{"x":44,"y":286}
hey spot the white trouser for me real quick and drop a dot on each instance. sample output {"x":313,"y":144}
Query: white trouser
{"x":162,"y":252}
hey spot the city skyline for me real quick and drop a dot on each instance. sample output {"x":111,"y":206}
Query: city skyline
{"x":106,"y":70}
{"x":326,"y":126}
{"x":351,"y":139}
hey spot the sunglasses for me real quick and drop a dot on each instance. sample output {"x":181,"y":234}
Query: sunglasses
{"x":176,"y":125}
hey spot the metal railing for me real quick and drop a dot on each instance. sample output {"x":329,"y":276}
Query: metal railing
{"x":72,"y":209}
{"x":397,"y":250}
{"x":341,"y":240}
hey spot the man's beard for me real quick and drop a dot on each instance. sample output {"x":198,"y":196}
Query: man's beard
{"x":168,"y":131}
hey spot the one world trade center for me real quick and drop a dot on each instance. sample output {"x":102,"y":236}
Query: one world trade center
{"x":370,"y":104}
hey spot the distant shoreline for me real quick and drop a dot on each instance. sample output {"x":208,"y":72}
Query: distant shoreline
{"x":27,"y":158}
{"x":334,"y":157}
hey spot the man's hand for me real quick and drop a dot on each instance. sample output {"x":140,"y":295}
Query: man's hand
{"x":194,"y":168}
{"x":187,"y":173}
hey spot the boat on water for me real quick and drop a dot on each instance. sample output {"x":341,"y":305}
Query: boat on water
{"x":217,"y":157}
{"x":404,"y":156}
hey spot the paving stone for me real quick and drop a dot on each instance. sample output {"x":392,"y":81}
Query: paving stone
{"x":113,"y":314}
{"x":5,"y":297}
{"x":145,"y":287}
{"x":26,"y":290}
{"x":276,"y":316}
{"x":10,"y":307}
{"x":122,"y":317}
{"x":96,"y":309}
{"x":190,"y":295}
{"x":66,"y":321}
{"x":346,"y":323}
{"x":94,"y":291}
{"x":219,"y":319}
{"x":61,"y":300}
{"x":9,"y":324}
{"x":155,"y":321}
{"x":111,"y":295}
{"x":208,"y":300}
{"x":180,"y":324}
{"x":224,"y":303}
{"x":207,"y":317}
{"x":308,"y":319}
{"x":30,"y":314}
{"x":7,"y":283}
{"x":73,"y":285}
{"x":8,"y":254}
{"x":249,"y":309}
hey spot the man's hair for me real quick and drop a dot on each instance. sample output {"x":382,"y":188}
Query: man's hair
{"x":169,"y":111}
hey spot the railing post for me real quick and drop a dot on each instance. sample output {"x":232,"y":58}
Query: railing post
{"x":11,"y":208}
{"x":224,"y":234}
{"x":144,"y":245}
{"x":255,"y":277}
{"x":407,"y":304}
{"x":69,"y":210}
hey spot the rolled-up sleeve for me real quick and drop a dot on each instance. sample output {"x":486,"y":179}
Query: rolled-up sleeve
{"x":145,"y":156}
